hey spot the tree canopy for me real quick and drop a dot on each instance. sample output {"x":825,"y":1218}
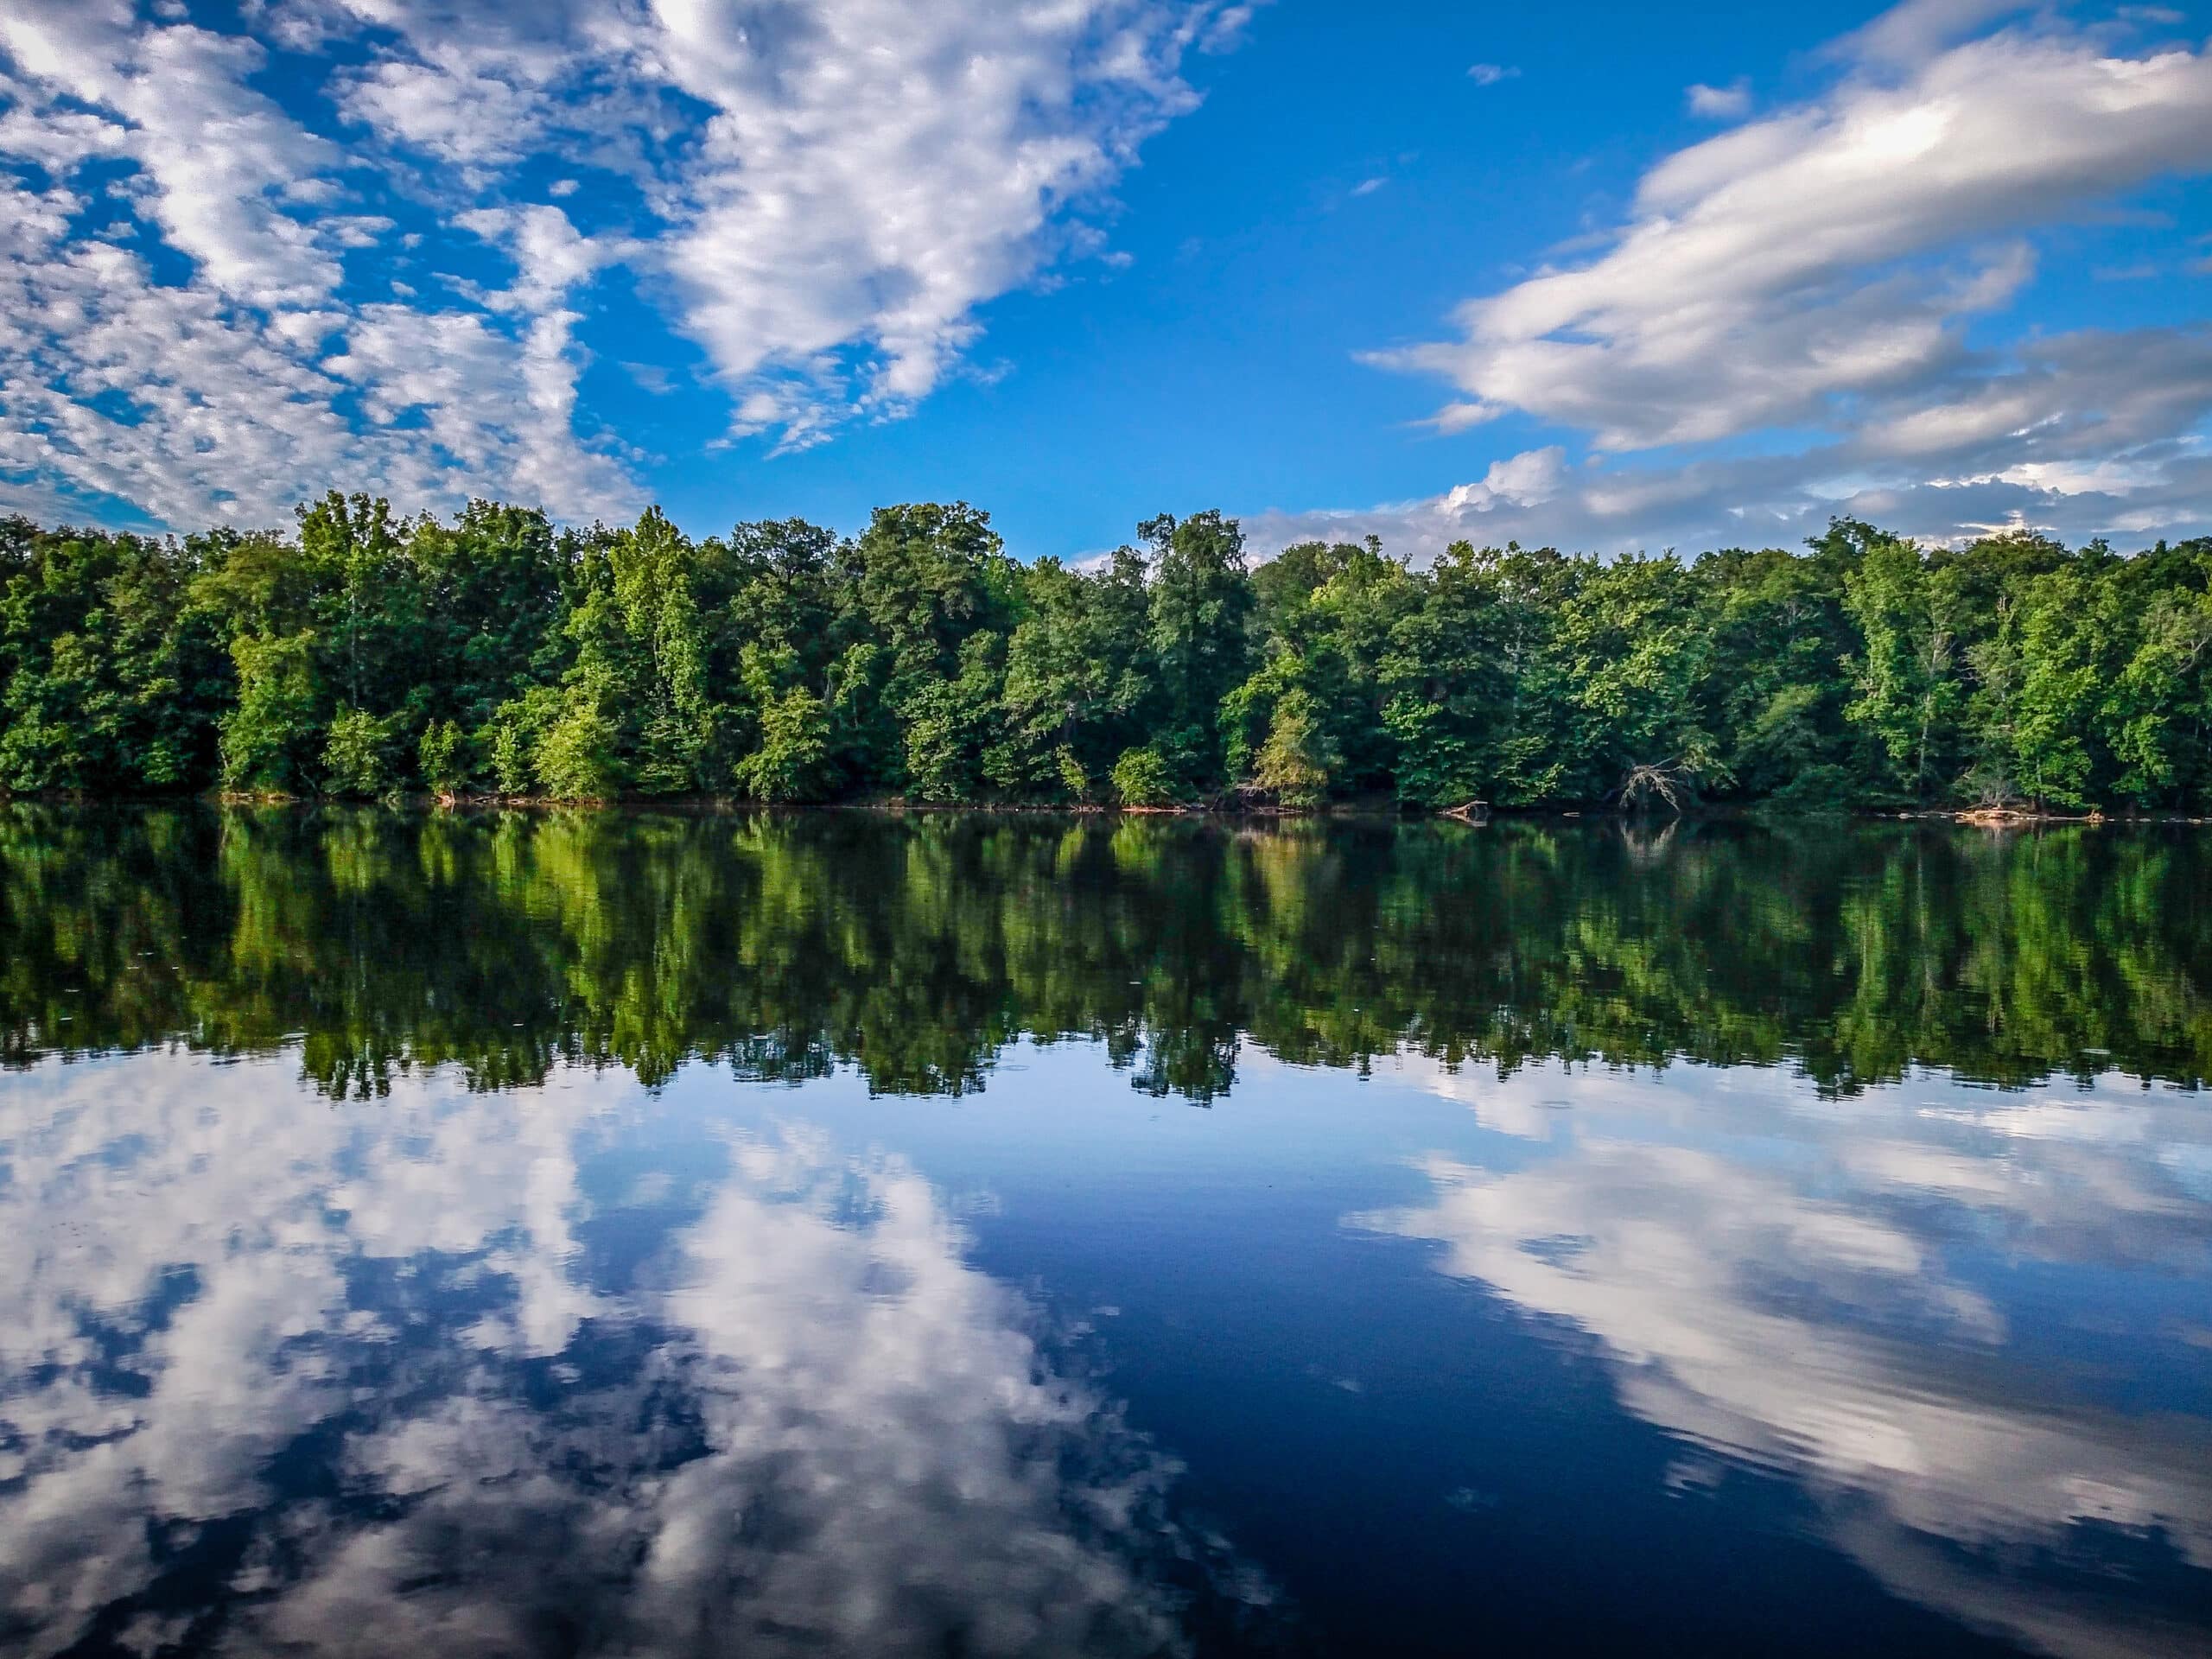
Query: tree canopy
{"x":368,"y":654}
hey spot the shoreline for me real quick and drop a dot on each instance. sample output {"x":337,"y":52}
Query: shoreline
{"x":1996,"y":819}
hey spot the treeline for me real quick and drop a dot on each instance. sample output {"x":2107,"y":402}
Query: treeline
{"x":368,"y":655}
{"x":786,"y":946}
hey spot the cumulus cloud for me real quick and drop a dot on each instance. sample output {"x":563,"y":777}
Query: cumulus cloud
{"x":2085,"y":433}
{"x":216,"y":158}
{"x":820,"y":194}
{"x":1821,"y":271}
{"x":223,"y":390}
{"x":1523,"y":480}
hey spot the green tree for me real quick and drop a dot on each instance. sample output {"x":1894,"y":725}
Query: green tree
{"x":1638,"y":646}
{"x":1201,"y":603}
{"x":368,"y":652}
{"x":1143,"y":776}
{"x":919,"y":583}
{"x":361,"y":756}
{"x":576,"y":760}
{"x":1775,"y":685}
{"x":443,"y":758}
{"x":1908,"y":615}
{"x":1058,"y":685}
{"x":2157,"y":711}
{"x":790,"y":761}
{"x":367,"y":614}
{"x":491,"y":607}
{"x":271,"y":736}
{"x":1297,"y":763}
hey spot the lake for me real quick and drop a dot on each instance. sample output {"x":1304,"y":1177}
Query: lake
{"x":619,"y":1233}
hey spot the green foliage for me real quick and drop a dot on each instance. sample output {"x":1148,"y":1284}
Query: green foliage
{"x":2155,"y":712}
{"x":576,"y":758}
{"x":1071,"y":683}
{"x":1146,"y":777}
{"x":790,"y":762}
{"x":1075,"y":782}
{"x":949,"y":724}
{"x":360,"y":756}
{"x":272,"y":729}
{"x":443,"y":758}
{"x":368,"y":653}
{"x":111,"y":678}
{"x":1908,"y":613}
{"x":510,"y":739}
{"x":365,"y":608}
{"x":1297,"y":762}
{"x":1201,"y":601}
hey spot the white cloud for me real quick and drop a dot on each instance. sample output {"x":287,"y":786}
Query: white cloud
{"x":550,"y":255}
{"x":805,"y":232}
{"x":1731,"y":103}
{"x":1527,"y":480}
{"x":1813,"y":274}
{"x":472,"y":119}
{"x":1740,"y":294}
{"x":222,"y":395}
{"x":830,"y":264}
{"x":1458,"y":417}
{"x":1914,"y":29}
{"x":2074,"y":434}
{"x":217,"y":157}
{"x":489,"y":404}
{"x":200,"y":410}
{"x":1777,"y":501}
{"x":1488,"y":74}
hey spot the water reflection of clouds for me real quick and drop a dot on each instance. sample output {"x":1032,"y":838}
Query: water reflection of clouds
{"x":804,"y":1423}
{"x":1772,"y":1276}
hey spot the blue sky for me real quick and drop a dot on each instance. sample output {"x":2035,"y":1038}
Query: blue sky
{"x":1607,"y":277}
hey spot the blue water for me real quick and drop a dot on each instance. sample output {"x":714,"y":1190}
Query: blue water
{"x":1403,"y":1358}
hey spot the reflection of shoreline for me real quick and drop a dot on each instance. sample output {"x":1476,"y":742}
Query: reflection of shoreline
{"x":914,"y":948}
{"x":1768,"y":1284}
{"x":348,"y":1367}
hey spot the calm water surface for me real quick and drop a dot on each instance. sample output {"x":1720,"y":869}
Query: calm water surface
{"x":628,"y":1235}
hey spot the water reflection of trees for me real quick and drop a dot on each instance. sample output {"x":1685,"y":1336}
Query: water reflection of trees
{"x":915,"y":949}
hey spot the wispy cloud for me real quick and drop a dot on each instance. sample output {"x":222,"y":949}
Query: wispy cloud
{"x":1730,"y":103}
{"x":1807,"y":280}
{"x":1488,"y":74}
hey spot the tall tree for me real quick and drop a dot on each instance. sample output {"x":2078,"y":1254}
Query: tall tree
{"x":1201,"y":604}
{"x":1906,"y":670}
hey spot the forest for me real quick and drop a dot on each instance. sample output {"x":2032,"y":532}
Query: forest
{"x":369,"y":655}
